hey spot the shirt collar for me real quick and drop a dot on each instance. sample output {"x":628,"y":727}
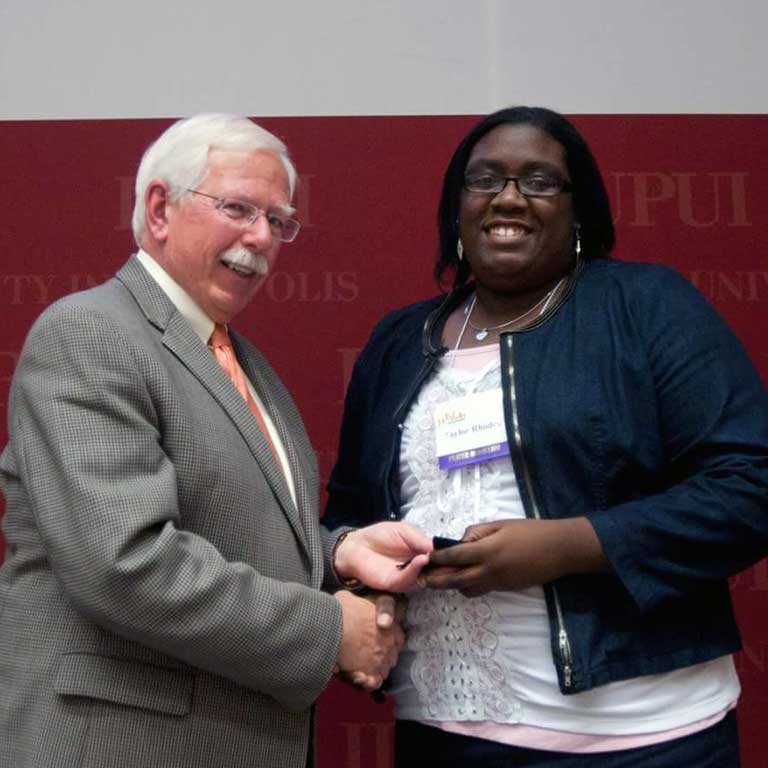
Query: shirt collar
{"x":200,"y":322}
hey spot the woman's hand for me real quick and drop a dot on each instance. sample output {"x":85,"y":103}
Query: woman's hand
{"x":515,"y":554}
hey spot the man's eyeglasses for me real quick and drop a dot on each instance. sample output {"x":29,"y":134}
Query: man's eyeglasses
{"x":282,"y":227}
{"x":535,"y":185}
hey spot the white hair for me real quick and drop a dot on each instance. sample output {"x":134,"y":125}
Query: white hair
{"x":180,"y":155}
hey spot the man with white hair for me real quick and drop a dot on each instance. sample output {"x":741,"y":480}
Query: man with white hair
{"x":160,"y":599}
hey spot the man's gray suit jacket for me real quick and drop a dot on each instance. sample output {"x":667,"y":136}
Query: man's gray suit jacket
{"x":160,"y":601}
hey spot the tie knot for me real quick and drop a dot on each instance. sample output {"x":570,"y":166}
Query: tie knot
{"x":219,"y":337}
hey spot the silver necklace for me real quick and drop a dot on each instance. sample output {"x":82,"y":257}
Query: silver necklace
{"x":482,"y":332}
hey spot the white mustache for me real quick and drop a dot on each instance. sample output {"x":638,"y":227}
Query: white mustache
{"x":242,"y":257}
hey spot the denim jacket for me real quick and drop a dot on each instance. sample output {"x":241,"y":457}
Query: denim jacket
{"x":630,"y":403}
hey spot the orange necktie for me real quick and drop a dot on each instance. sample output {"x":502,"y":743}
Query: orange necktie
{"x":225,"y":355}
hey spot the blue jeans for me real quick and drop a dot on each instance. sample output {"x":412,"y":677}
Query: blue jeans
{"x":417,"y":746}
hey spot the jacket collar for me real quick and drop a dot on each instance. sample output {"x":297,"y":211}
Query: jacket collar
{"x":432,"y":340}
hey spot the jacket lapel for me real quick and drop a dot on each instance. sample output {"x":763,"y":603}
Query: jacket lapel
{"x":290,"y":427}
{"x":180,"y":339}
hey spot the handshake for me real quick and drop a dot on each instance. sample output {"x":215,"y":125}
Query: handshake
{"x":387,"y":558}
{"x":390,"y":558}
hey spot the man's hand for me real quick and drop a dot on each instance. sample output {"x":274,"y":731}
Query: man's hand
{"x":376,"y":555}
{"x":368,"y":649}
{"x":515,"y":554}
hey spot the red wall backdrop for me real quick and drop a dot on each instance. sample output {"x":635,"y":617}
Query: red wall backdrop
{"x":689,"y":191}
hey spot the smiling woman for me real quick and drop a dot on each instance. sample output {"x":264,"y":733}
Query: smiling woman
{"x":518,"y":245}
{"x":563,"y":630}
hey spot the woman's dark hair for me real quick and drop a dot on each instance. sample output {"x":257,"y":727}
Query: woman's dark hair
{"x":592,"y":208}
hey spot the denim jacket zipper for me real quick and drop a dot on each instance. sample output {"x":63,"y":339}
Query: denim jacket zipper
{"x":563,"y":642}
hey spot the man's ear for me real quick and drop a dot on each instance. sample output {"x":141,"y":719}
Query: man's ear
{"x":156,"y":201}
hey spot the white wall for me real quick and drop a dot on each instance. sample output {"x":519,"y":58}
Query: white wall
{"x":155,"y":58}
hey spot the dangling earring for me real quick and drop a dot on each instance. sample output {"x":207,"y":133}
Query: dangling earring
{"x":578,"y":240}
{"x":460,"y":249}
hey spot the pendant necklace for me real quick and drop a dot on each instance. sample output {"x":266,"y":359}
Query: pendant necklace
{"x":482,"y":332}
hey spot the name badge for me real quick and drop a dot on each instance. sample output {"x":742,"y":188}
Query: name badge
{"x":470,"y":429}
